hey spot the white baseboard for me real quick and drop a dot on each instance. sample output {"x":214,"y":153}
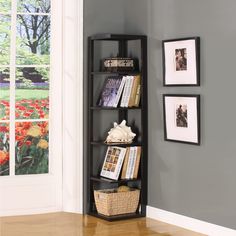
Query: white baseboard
{"x":189,"y":223}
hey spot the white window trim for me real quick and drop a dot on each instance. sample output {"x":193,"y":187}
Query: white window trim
{"x":42,"y":193}
{"x":80,"y":126}
{"x":73,"y":165}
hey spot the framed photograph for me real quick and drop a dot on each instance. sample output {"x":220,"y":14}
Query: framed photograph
{"x":113,"y":162}
{"x":182,"y":118}
{"x":181,"y":62}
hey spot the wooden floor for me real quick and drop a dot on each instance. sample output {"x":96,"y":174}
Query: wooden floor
{"x":66,"y":224}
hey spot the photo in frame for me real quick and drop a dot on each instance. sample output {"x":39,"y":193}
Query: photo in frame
{"x":181,"y":62}
{"x":182,"y":118}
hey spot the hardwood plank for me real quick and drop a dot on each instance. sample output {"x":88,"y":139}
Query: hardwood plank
{"x":60,"y":224}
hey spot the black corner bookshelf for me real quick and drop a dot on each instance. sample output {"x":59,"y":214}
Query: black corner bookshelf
{"x":100,"y":119}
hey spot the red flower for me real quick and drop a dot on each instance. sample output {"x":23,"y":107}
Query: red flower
{"x":4,"y":157}
{"x":28,"y":143}
{"x":3,"y":129}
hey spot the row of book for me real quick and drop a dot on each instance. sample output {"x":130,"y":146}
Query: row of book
{"x":121,"y":160}
{"x":124,"y":91}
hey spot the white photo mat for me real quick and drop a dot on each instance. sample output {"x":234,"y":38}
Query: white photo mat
{"x":176,"y":129}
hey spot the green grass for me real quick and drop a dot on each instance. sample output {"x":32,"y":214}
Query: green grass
{"x":25,"y":94}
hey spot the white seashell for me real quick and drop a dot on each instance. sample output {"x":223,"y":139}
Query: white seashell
{"x":120,"y":133}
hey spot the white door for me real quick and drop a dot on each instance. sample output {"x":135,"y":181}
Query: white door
{"x":30,"y":106}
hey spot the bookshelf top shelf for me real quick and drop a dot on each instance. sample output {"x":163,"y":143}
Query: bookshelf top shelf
{"x":116,"y":73}
{"x":114,"y":108}
{"x":117,"y":37}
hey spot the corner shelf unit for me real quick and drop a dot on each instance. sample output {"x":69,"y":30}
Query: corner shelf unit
{"x":100,"y":119}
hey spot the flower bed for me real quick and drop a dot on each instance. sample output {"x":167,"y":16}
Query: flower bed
{"x":31,"y":147}
{"x":4,"y":149}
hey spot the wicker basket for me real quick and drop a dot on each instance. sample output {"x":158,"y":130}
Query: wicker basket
{"x":112,"y":203}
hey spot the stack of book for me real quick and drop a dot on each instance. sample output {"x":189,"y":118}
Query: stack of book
{"x":123,"y":90}
{"x":118,"y":158}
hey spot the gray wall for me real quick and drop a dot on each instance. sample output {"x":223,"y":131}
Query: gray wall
{"x":198,"y":182}
{"x":100,"y":16}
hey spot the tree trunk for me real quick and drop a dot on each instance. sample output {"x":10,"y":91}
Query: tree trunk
{"x":33,"y":47}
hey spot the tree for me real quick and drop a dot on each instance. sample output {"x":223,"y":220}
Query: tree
{"x":33,"y":31}
{"x":4,"y":40}
{"x":5,"y":5}
{"x":33,"y":36}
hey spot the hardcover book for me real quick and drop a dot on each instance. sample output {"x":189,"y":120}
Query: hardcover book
{"x":109,"y":91}
{"x":136,"y":84}
{"x":119,"y":92}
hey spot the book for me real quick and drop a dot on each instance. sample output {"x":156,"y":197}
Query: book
{"x":133,"y":163}
{"x":129,"y":88}
{"x":124,"y":168}
{"x":124,"y":95}
{"x":130,"y":163}
{"x":136,"y":83}
{"x":119,"y":92}
{"x":113,"y":162}
{"x":137,"y":96}
{"x":109,"y":91}
{"x":137,"y":162}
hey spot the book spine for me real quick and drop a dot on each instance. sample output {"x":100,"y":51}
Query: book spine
{"x":119,"y":92}
{"x":136,"y":82}
{"x":128,"y":165}
{"x":133,"y":163}
{"x":128,"y":171}
{"x":135,"y":176}
{"x":124,"y":169}
{"x":131,"y":79}
{"x":124,"y":92}
{"x":137,"y":97}
{"x":119,"y":163}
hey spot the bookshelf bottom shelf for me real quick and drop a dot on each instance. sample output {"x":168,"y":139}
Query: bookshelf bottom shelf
{"x":116,"y":217}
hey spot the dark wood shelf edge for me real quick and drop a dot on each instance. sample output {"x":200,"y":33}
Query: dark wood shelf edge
{"x":115,"y":108}
{"x":116,"y":144}
{"x":106,"y":180}
{"x":116,"y":73}
{"x":116,"y":217}
{"x":108,"y":36}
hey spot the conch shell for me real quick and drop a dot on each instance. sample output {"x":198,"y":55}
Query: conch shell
{"x":120,"y":134}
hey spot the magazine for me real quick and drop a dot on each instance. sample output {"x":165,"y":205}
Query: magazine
{"x":113,"y":162}
{"x":109,"y":91}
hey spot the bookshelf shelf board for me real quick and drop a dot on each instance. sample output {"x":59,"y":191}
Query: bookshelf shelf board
{"x":115,"y":108}
{"x":116,"y":217}
{"x":116,"y":144}
{"x":108,"y":36}
{"x":116,"y":73}
{"x":106,"y":180}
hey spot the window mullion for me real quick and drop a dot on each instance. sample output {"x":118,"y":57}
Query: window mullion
{"x":12,"y":86}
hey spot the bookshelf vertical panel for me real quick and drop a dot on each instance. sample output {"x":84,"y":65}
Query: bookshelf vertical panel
{"x":90,"y":123}
{"x":144,"y":119}
{"x":100,"y":119}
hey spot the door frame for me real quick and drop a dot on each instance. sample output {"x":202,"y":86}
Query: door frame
{"x":73,"y":110}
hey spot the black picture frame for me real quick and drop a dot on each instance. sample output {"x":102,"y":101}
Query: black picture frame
{"x":181,"y":61}
{"x":182,"y":118}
